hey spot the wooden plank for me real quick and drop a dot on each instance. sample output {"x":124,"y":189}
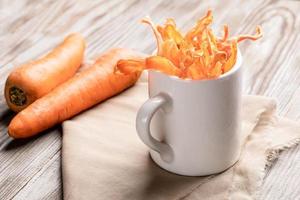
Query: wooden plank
{"x":280,"y":79}
{"x":47,"y":182}
{"x":30,"y":169}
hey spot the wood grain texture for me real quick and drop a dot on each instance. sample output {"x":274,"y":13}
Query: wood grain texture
{"x":30,"y":169}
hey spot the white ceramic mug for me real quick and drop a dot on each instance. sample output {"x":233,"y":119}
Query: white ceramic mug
{"x":194,"y":123}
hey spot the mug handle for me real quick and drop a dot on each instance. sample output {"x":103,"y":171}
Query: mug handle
{"x":143,"y":120}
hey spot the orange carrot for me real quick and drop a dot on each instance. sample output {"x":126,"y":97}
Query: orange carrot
{"x":82,"y":91}
{"x":36,"y":78}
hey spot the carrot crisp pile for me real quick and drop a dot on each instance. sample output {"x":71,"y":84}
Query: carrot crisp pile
{"x":199,"y":54}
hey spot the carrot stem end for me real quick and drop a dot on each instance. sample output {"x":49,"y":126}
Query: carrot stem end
{"x":17,"y":96}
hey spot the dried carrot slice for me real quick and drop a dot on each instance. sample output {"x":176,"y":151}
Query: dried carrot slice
{"x":194,"y":72}
{"x":225,"y":34}
{"x":251,"y":37}
{"x":220,"y":56}
{"x":206,"y":53}
{"x":130,"y":66}
{"x":159,"y":40}
{"x":171,"y":51}
{"x":187,"y":58}
{"x":216,"y":70}
{"x":200,"y":63}
{"x":232,"y":58}
{"x":200,"y":26}
{"x":169,"y":32}
{"x":162,"y":64}
{"x":212,"y":39}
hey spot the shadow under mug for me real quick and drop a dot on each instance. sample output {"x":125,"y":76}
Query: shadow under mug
{"x":192,"y":126}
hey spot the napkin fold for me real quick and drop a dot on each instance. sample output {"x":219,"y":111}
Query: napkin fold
{"x":103,"y":158}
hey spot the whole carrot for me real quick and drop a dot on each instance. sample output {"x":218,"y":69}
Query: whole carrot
{"x":34,"y":79}
{"x":89,"y":87}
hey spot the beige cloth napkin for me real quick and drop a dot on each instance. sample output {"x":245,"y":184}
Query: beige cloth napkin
{"x":103,"y":158}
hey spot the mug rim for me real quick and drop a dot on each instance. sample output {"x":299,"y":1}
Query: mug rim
{"x":234,"y":69}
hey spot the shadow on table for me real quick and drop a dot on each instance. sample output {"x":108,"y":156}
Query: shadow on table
{"x":166,"y":183}
{"x":6,"y":116}
{"x":17,"y":143}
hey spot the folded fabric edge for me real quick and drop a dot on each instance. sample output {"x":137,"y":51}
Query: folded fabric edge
{"x":271,"y":156}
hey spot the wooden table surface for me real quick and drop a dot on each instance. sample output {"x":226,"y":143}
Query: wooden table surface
{"x":30,"y":169}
